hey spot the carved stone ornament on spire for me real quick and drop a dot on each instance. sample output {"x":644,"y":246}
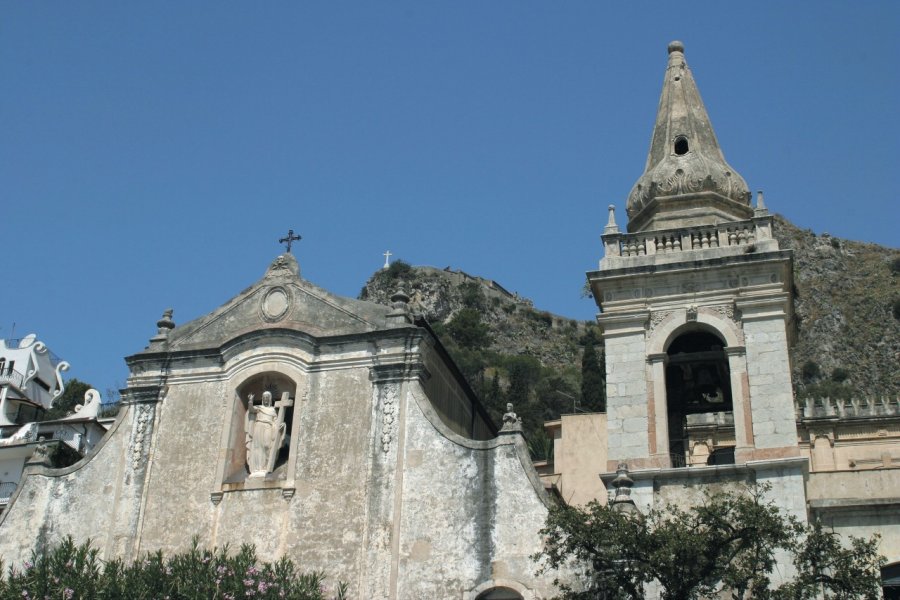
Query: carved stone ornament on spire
{"x":686,"y":180}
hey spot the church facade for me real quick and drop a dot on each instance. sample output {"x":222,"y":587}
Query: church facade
{"x":333,"y":431}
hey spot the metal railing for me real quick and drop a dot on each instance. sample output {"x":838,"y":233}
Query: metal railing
{"x":13,"y":343}
{"x":11,"y":377}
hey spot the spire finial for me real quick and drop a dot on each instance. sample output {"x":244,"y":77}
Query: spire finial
{"x":676,"y":46}
{"x":760,"y":204}
{"x":611,"y":226}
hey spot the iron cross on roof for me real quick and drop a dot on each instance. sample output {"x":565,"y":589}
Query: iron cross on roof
{"x":289,"y":239}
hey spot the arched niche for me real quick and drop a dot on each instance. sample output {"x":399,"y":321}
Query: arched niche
{"x":283,"y":390}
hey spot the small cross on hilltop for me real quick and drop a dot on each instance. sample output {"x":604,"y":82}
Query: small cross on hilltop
{"x":289,"y":239}
{"x":387,"y":256}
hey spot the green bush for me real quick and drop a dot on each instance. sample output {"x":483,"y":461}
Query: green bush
{"x":467,"y":330}
{"x":895,"y":266}
{"x":840,"y":375}
{"x":471,"y":295}
{"x":71,"y":572}
{"x":541,"y":317}
{"x":810,"y":371}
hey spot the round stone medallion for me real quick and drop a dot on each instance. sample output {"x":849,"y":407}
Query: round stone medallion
{"x":276,"y":304}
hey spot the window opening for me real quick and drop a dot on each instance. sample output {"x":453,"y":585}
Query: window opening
{"x":681,"y":145}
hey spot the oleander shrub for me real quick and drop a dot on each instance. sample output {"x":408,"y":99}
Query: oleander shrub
{"x":70,"y":572}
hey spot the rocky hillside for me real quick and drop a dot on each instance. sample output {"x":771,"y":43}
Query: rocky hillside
{"x":503,"y":345}
{"x":847,"y":327}
{"x":848,"y":337}
{"x":513,"y":325}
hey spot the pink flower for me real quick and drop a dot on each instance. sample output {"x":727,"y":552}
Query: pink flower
{"x":68,"y":593}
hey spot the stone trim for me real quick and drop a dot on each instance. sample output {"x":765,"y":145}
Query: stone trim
{"x":678,"y":322}
{"x":613,"y":325}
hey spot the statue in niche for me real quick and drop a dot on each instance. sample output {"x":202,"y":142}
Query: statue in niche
{"x":265,"y":429}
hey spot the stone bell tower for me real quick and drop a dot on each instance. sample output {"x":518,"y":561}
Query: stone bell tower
{"x":695,"y":303}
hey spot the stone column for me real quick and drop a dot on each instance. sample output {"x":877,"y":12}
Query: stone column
{"x":659,"y":409}
{"x":740,"y":400}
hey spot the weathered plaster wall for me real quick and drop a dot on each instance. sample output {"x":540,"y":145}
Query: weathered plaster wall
{"x":97,"y":498}
{"x":579,"y":455}
{"x":860,"y":503}
{"x":470,"y":512}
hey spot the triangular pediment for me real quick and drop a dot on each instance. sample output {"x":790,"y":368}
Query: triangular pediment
{"x":281,"y":299}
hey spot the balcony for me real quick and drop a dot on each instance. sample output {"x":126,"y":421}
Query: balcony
{"x":673,"y":245}
{"x":12,"y":378}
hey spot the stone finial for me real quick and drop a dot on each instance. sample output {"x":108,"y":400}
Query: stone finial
{"x":675,"y":46}
{"x":164,"y":326}
{"x":400,"y":306}
{"x":760,"y":209}
{"x":511,"y":421}
{"x":611,"y":226}
{"x":621,"y":500}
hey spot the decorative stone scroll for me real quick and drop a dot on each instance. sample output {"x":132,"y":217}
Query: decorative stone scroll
{"x":656,"y":318}
{"x":143,"y":424}
{"x":389,"y":393}
{"x":725,"y":310}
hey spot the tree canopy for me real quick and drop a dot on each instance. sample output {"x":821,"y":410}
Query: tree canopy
{"x":729,"y":542}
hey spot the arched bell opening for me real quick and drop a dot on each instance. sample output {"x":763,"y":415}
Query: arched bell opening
{"x":699,"y":400}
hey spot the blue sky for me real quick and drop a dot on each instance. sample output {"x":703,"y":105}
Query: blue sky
{"x":151,"y":154}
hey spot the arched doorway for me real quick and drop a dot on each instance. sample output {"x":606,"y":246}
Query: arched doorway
{"x":499,"y":593}
{"x":698,"y":400}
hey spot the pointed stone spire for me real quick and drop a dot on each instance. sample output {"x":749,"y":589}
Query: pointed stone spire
{"x":686,"y":180}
